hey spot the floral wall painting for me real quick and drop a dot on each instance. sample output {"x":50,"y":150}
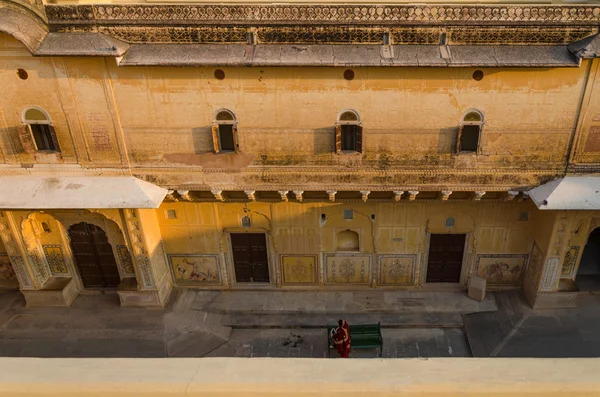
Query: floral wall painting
{"x":195,"y":269}
{"x":299,"y":269}
{"x":7,"y":272}
{"x":501,"y":269}
{"x":347,"y":269}
{"x":397,"y":270}
{"x":55,"y":258}
{"x":570,"y":261}
{"x":125,"y":259}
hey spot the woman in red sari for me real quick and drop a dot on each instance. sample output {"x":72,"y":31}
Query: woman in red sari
{"x":341,"y":339}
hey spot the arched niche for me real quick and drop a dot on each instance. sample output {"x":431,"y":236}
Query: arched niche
{"x":348,"y":241}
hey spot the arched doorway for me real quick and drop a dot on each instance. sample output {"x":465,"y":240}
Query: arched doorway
{"x":93,"y":256}
{"x":588,"y":273}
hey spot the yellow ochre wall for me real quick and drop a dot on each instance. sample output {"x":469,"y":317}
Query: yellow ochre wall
{"x":286,"y":116}
{"x":303,"y":250}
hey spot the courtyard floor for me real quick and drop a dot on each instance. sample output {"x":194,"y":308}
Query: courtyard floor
{"x":292,"y":324}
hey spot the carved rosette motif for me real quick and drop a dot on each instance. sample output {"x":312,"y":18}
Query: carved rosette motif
{"x":432,"y":14}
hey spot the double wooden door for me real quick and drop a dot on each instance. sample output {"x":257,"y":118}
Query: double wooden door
{"x":250,"y":257}
{"x":445,"y":258}
{"x":94,"y":256}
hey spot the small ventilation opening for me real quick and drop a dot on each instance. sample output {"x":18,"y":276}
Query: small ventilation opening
{"x":171,"y":214}
{"x":348,"y":214}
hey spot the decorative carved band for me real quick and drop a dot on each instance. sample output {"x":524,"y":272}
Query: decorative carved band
{"x":416,"y":14}
{"x":341,"y":34}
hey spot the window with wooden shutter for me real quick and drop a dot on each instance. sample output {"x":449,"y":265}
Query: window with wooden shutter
{"x":224,"y":132}
{"x":54,"y":138}
{"x":338,"y":139}
{"x":348,"y":132}
{"x":469,"y":132}
{"x":26,"y":138}
{"x":215,"y":138}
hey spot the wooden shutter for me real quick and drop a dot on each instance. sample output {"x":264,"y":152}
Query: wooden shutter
{"x":359,"y":142}
{"x":338,"y":138}
{"x":458,"y":137}
{"x":26,"y":137}
{"x":236,"y":141}
{"x":54,"y":139}
{"x":215,"y":137}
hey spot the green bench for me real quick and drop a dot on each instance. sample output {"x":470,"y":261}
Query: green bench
{"x":366,"y":336}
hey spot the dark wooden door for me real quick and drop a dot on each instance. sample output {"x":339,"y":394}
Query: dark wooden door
{"x":445,"y":258}
{"x":250,"y":257}
{"x":94,"y":256}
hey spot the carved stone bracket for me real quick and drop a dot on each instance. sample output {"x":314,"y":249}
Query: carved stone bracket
{"x":398,"y":195}
{"x":283,"y":194}
{"x":365,"y":195}
{"x":446,"y":194}
{"x":412,"y":195}
{"x":218,"y":194}
{"x":298,"y":194}
{"x":479,"y":195}
{"x":511,"y":194}
{"x":251,"y":194}
{"x":331,"y":194}
{"x":185,"y":195}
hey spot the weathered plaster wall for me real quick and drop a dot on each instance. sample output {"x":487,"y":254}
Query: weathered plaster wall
{"x":198,"y":232}
{"x":286,"y":116}
{"x":74,"y":92}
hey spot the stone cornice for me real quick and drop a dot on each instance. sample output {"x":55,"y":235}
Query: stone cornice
{"x":214,"y":14}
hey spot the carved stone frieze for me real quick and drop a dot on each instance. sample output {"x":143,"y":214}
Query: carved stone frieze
{"x":415,"y":14}
{"x":331,"y":34}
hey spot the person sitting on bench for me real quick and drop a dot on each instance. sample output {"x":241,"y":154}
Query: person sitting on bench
{"x":341,"y":339}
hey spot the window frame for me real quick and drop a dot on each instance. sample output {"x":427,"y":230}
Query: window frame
{"x":462,"y":124}
{"x":27,"y":136}
{"x":358,"y":141}
{"x":216,"y":133}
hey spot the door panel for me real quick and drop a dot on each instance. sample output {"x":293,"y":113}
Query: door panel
{"x":93,"y":256}
{"x":250,"y":257}
{"x":445,"y":258}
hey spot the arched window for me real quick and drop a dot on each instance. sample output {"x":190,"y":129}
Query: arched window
{"x":348,"y":132}
{"x":224,"y":132}
{"x":469,"y":132}
{"x":348,"y":240}
{"x":37,"y":132}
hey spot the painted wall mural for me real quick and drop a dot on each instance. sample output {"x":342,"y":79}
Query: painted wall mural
{"x":501,"y":269}
{"x":535,"y":264}
{"x":195,"y":269}
{"x":299,"y":269}
{"x":125,"y":260}
{"x":570,"y":261}
{"x":396,"y":269}
{"x":348,"y":269}
{"x":56,"y":259}
{"x":7,"y":272}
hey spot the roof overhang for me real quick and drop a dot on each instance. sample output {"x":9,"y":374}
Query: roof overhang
{"x":568,"y":193}
{"x":350,"y":55}
{"x":78,"y":192}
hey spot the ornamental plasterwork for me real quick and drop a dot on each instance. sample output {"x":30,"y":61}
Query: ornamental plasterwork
{"x":340,"y":34}
{"x":417,"y":14}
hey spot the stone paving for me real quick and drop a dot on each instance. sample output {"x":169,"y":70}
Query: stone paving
{"x":397,"y":343}
{"x":377,"y":301}
{"x":198,"y":323}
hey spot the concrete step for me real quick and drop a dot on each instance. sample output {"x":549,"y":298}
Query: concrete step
{"x":405,"y":320}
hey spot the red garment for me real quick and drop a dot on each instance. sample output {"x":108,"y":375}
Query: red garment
{"x":341,"y":341}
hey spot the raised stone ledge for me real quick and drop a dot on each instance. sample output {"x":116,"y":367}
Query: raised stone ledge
{"x":231,"y":377}
{"x":80,"y":44}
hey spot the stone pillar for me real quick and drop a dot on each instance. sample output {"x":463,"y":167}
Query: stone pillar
{"x":154,"y":282}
